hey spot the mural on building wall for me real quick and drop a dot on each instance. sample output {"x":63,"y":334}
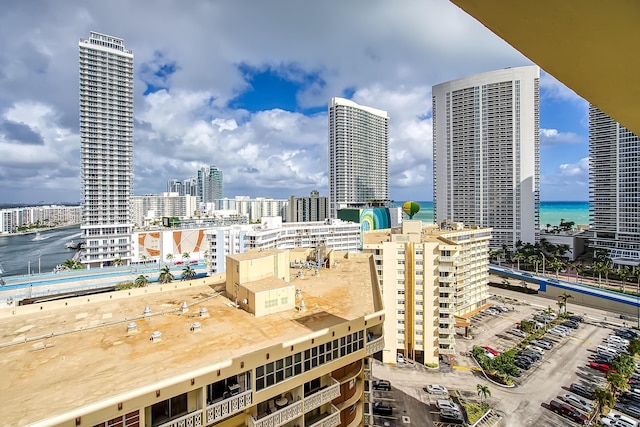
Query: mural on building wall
{"x":375,"y":219}
{"x":185,"y":241}
{"x":149,"y":245}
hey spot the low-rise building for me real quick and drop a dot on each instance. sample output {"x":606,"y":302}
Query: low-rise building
{"x":432,"y":279}
{"x":264,"y":346}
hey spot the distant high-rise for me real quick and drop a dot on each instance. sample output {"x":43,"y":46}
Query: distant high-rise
{"x":209,"y":184}
{"x":486,"y":153}
{"x":358,"y":155}
{"x":175,"y":186}
{"x":106,"y":141}
{"x":614,"y":157}
{"x":305,"y":209}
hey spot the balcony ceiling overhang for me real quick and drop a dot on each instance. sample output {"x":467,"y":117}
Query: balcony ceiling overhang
{"x":589,"y":45}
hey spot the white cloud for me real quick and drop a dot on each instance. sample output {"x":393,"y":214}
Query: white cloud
{"x":555,"y":137}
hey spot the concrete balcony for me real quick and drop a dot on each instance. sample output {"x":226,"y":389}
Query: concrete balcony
{"x":322,"y":396}
{"x":375,"y":345}
{"x":191,"y":419}
{"x":446,"y":331}
{"x":447,"y":320}
{"x":328,"y":419}
{"x":447,"y":310}
{"x":448,"y":300}
{"x":447,"y":350}
{"x":227,"y":407}
{"x":449,"y":341}
{"x":279,"y":417}
{"x":446,"y":289}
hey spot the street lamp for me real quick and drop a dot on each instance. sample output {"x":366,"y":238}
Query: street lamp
{"x":544,"y":259}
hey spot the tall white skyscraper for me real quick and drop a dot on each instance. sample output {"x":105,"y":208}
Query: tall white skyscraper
{"x":106,"y":141}
{"x":486,"y":153}
{"x":614,"y":157}
{"x":358,"y":154}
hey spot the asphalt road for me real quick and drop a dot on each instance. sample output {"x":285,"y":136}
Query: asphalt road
{"x":524,"y":405}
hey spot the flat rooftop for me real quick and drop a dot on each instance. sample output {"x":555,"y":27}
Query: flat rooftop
{"x":89,"y":356}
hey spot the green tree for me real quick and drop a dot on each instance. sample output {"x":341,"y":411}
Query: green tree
{"x":556,"y":265}
{"x":165,"y":275}
{"x":624,"y":364}
{"x":535,"y":261}
{"x":565,"y":298}
{"x":624,"y":273}
{"x":117,"y":262}
{"x":634,"y":347}
{"x":496,"y":255}
{"x":598,"y":268}
{"x":69,"y":264}
{"x":617,"y":382}
{"x":141,"y":281}
{"x":169,"y":257}
{"x":605,"y":400}
{"x":186,"y":256}
{"x":188,"y":273}
{"x":561,"y":304}
{"x":518,"y":256}
{"x":483,"y":391}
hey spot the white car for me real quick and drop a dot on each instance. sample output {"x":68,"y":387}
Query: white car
{"x":447,"y":404}
{"x":615,"y":338}
{"x":400,"y":358}
{"x":518,"y":332}
{"x":618,"y":420}
{"x":557,"y":332}
{"x":577,"y":402}
{"x":535,"y":348}
{"x":436,"y":389}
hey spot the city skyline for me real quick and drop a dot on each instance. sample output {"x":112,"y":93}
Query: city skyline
{"x":247,"y":89}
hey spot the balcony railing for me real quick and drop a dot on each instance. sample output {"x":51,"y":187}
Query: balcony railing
{"x":279,"y":417}
{"x":191,"y":419}
{"x":447,"y":320}
{"x":332,"y":419}
{"x":224,"y":408}
{"x":447,"y":350}
{"x":446,"y":331}
{"x":375,"y":345}
{"x":323,"y":396}
{"x":446,"y":340}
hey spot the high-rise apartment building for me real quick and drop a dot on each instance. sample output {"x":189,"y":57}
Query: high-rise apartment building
{"x":310,"y":208}
{"x":358,"y":155}
{"x":106,"y":145}
{"x":614,"y":157}
{"x":432,"y":279}
{"x":486,"y":153}
{"x":209,"y":184}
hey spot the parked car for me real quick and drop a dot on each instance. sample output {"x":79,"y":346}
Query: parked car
{"x":490,"y":350}
{"x":581,"y":390}
{"x":602,"y":367}
{"x":601,"y":358}
{"x":557,"y":332}
{"x":577,"y":402}
{"x":531,"y":354}
{"x":380,"y":408}
{"x":400,"y":358}
{"x":547,"y":340}
{"x":451,"y":417}
{"x":617,"y":420}
{"x":535,"y":348}
{"x":611,"y":339}
{"x":629,"y":409}
{"x":436,"y":389}
{"x":523,"y":364}
{"x":568,"y":411}
{"x":518,"y":332}
{"x":382,"y":385}
{"x":579,"y":319}
{"x":541,"y":344}
{"x":447,"y":404}
{"x":571,"y":324}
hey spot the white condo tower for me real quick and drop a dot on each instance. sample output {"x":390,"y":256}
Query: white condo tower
{"x":106,"y":139}
{"x":486,"y":153}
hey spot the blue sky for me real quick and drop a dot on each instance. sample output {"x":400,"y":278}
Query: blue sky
{"x":244,"y":86}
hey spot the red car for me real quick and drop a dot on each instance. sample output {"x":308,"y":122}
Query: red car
{"x":602,"y":367}
{"x":179,"y":262}
{"x":490,"y":350}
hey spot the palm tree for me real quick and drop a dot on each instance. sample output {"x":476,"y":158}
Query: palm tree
{"x":141,"y":281}
{"x":169,"y":257}
{"x":564,"y":298}
{"x":598,"y":268}
{"x":483,"y":391}
{"x":534,"y":260}
{"x":561,"y":305}
{"x":617,"y":382}
{"x":496,"y":255}
{"x":117,"y":262}
{"x":556,"y":265}
{"x":186,"y":256}
{"x":634,"y":347}
{"x":69,"y":264}
{"x":605,"y":400}
{"x":518,"y":256}
{"x":165,"y":275}
{"x":624,"y":273}
{"x":624,"y":364}
{"x":188,"y":273}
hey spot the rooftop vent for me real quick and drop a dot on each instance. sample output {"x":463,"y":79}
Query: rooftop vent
{"x":132,"y":327}
{"x":196,"y":327}
{"x":204,"y":312}
{"x":184,"y":307}
{"x":302,"y":307}
{"x":146,"y":311}
{"x":156,"y":336}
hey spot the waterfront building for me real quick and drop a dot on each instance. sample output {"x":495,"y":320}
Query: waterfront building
{"x":254,"y":208}
{"x":106,"y":148}
{"x":12,"y":219}
{"x":614,"y":184}
{"x":432,"y":279}
{"x":209,"y":182}
{"x":152,"y":208}
{"x":311,"y":208}
{"x":260,"y":346}
{"x":358,"y":155}
{"x":486,"y":153}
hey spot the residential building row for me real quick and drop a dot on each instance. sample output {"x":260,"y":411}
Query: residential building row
{"x":12,"y":219}
{"x":260,"y":346}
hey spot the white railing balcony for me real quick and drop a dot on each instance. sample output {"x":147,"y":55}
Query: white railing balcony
{"x":192,"y":419}
{"x":447,"y":279}
{"x":332,"y":419}
{"x":447,"y":350}
{"x":446,"y":289}
{"x":279,"y":417}
{"x":375,"y":345}
{"x":446,"y":331}
{"x":447,"y":320}
{"x":448,"y":300}
{"x":321,"y":397}
{"x":224,"y":408}
{"x":447,"y":310}
{"x":446,"y":341}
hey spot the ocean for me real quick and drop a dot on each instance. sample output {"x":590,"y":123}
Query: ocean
{"x":20,"y":254}
{"x":550,"y":212}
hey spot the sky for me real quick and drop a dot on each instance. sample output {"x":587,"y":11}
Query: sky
{"x":244,"y":85}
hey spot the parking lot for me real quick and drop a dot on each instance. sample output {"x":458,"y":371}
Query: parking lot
{"x":525,"y":404}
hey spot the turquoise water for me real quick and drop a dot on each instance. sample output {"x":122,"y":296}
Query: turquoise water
{"x":550,"y":212}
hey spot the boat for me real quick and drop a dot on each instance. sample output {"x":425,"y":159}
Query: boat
{"x":73,"y":245}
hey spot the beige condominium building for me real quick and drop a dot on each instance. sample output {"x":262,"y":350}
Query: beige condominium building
{"x":432,"y":279}
{"x":272,"y":344}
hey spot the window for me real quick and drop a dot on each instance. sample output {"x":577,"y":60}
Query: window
{"x":168,"y":409}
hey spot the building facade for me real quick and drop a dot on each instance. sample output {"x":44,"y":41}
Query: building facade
{"x":614,"y":162}
{"x":254,"y":208}
{"x":106,"y":148}
{"x":358,"y":155}
{"x":432,"y":279}
{"x":12,"y":219}
{"x":152,"y":207}
{"x":241,"y":350}
{"x":311,"y":208}
{"x":209,"y":181}
{"x":486,"y":151}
